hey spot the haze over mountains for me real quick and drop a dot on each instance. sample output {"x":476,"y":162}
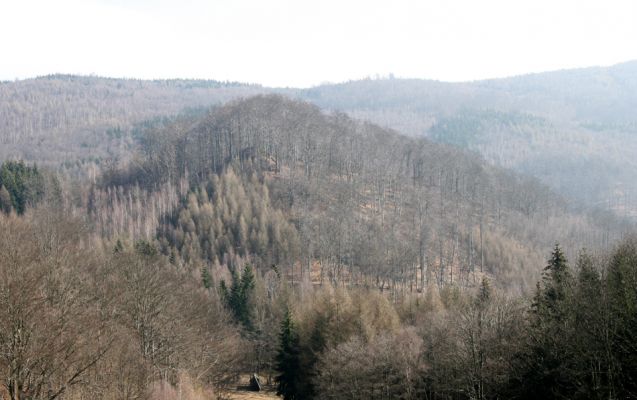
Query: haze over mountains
{"x":575,"y":130}
{"x":368,"y":203}
{"x":388,"y":238}
{"x":564,"y":128}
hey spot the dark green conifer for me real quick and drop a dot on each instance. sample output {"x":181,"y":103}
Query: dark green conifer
{"x":206,"y":279}
{"x":288,"y":361}
{"x":119,"y":247}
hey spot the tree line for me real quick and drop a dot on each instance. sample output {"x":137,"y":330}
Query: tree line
{"x":369,"y":205}
{"x":574,"y":339}
{"x":333,"y":258}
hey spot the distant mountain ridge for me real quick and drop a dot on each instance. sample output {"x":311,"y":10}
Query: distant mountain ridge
{"x":575,"y":130}
{"x":364,"y":203}
{"x":86,"y":119}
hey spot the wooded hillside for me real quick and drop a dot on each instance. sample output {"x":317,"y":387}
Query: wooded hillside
{"x":329,"y":257}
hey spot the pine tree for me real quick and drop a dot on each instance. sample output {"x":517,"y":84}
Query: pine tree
{"x":206,"y":279}
{"x":234,"y":297}
{"x":119,"y":247}
{"x":484,"y":294}
{"x":25,"y":185}
{"x":621,"y":282}
{"x":557,"y":281}
{"x":5,"y":200}
{"x":145,"y":248}
{"x":310,"y":356}
{"x":247,"y":290}
{"x":239,"y":297}
{"x":172,"y":258}
{"x":288,"y":361}
{"x":223,"y":289}
{"x":589,"y":345}
{"x":547,"y":362}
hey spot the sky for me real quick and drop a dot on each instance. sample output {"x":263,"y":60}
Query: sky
{"x":301,"y":43}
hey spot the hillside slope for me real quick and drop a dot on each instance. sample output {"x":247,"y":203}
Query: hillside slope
{"x":66,"y":118}
{"x":367,"y":204}
{"x":574,"y":129}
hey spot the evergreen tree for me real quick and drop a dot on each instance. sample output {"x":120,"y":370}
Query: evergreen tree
{"x":591,"y":361}
{"x":5,"y":200}
{"x":25,"y":185}
{"x":622,"y":297}
{"x":172,"y":258}
{"x":546,"y":365}
{"x":288,"y":361}
{"x":146,"y":248}
{"x":223,"y":288}
{"x":484,"y":294}
{"x":310,"y":357}
{"x":557,"y":280}
{"x":239,"y":297}
{"x":206,"y":279}
{"x":119,"y":247}
{"x":246,"y":292}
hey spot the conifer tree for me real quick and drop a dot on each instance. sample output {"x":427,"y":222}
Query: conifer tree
{"x":5,"y":200}
{"x":547,"y":363}
{"x":25,"y":185}
{"x":557,"y":280}
{"x":592,"y":362}
{"x":119,"y":247}
{"x":239,"y":297}
{"x":206,"y":279}
{"x":622,"y":296}
{"x":317,"y":343}
{"x":247,"y":290}
{"x":288,"y":361}
{"x":484,"y":294}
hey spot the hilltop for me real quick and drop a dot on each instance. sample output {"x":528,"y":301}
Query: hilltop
{"x":575,"y":130}
{"x":365,"y":204}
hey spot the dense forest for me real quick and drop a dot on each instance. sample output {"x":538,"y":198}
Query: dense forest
{"x":573,"y":129}
{"x":69,"y":120}
{"x":362,"y":198}
{"x":328,"y":256}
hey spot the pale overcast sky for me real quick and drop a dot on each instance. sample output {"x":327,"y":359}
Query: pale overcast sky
{"x":304,"y":43}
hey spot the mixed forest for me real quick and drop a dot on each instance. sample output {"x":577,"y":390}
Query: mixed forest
{"x":168,"y":249}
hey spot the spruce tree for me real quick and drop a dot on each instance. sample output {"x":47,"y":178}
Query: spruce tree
{"x":119,"y":247}
{"x":317,"y":343}
{"x":239,"y":297}
{"x":288,"y":361}
{"x":546,"y":371}
{"x":247,"y":290}
{"x":557,"y":280}
{"x":5,"y":200}
{"x":234,"y":297}
{"x":25,"y":185}
{"x":591,"y":360}
{"x":206,"y":279}
{"x":621,"y":282}
{"x":484,"y":293}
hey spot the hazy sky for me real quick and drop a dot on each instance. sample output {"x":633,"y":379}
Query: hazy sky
{"x":303,"y":43}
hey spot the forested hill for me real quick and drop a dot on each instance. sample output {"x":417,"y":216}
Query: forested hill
{"x":359,"y":203}
{"x":595,"y":95}
{"x":67,"y":118}
{"x":333,"y":258}
{"x":574,"y":129}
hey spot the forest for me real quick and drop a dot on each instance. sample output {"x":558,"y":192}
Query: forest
{"x":331,"y":257}
{"x":572,"y":129}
